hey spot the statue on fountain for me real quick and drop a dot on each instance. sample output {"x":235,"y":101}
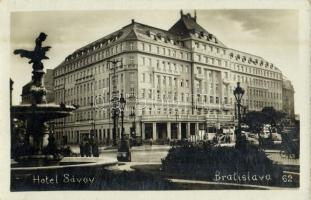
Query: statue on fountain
{"x":36,"y":56}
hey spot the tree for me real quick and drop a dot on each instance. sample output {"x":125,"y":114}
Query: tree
{"x":255,"y":119}
{"x":273,"y":115}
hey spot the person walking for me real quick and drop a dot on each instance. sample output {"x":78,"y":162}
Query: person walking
{"x":95,"y":150}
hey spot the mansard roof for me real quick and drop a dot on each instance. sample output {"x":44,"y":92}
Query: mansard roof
{"x":187,"y":26}
{"x":184,"y":28}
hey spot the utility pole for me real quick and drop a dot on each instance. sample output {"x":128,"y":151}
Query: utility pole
{"x":115,"y":101}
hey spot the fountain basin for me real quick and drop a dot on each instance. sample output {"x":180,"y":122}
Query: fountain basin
{"x":68,"y":163}
{"x":43,"y":112}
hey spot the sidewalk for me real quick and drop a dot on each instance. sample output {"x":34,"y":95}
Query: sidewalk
{"x":76,"y":148}
{"x":275,"y":156}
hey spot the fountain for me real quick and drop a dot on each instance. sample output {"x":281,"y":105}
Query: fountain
{"x":32,"y":151}
{"x":36,"y":113}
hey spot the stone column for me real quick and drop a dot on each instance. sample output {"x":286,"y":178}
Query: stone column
{"x":143,"y":131}
{"x":168,"y":127}
{"x":179,"y":131}
{"x":154,"y":131}
{"x":196,"y":127}
{"x":188,"y":130}
{"x":138,"y":128}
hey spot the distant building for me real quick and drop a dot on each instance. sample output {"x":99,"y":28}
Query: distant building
{"x":182,"y":81}
{"x":26,"y":94}
{"x":48,"y":81}
{"x":288,"y":98}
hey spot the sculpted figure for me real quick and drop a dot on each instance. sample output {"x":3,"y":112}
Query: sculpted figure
{"x":37,"y":54}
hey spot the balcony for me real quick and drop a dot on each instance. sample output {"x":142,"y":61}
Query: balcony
{"x":172,"y":118}
{"x":199,"y":76}
{"x":228,"y":107}
{"x":219,"y":117}
{"x":130,"y":66}
{"x":226,"y":80}
{"x":165,"y":71}
{"x":84,"y":79}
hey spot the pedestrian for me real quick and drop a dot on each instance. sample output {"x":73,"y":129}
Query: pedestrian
{"x":67,"y":151}
{"x":82,"y":149}
{"x":150,"y":141}
{"x":95,"y":150}
{"x":88,"y":149}
{"x":91,"y":143}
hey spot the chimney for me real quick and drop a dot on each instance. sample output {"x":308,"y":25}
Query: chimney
{"x":195,"y":16}
{"x":181,"y":13}
{"x":133,"y":21}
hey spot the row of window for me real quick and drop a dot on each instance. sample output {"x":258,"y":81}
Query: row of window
{"x":105,"y":53}
{"x":257,"y":82}
{"x":170,"y":52}
{"x":260,"y":104}
{"x":209,"y":48}
{"x":210,"y":60}
{"x":250,"y":60}
{"x":72,"y":137}
{"x":164,"y":65}
{"x":264,"y":94}
{"x":256,"y":71}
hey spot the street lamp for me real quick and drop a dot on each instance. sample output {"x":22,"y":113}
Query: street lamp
{"x":124,"y":153}
{"x":176,"y":114}
{"x":115,"y":110}
{"x":92,"y":132}
{"x":122,"y":106}
{"x":133,"y":130}
{"x":238,"y":93}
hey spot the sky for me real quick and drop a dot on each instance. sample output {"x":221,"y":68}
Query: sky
{"x":271,"y":34}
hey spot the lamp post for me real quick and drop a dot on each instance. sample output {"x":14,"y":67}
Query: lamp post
{"x":124,"y":153}
{"x":176,"y":114}
{"x":238,"y":93}
{"x":133,"y":131}
{"x":115,"y":110}
{"x":93,"y":120}
{"x":122,"y":106}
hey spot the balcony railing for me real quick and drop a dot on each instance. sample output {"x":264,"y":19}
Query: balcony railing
{"x":172,"y":117}
{"x":199,"y":76}
{"x":226,"y":81}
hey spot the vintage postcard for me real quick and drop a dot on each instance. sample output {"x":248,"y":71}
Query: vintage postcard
{"x":120,"y":100}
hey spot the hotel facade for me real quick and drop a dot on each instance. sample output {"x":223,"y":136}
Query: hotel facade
{"x":176,"y":83}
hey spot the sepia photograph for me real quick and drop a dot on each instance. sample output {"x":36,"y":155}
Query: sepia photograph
{"x":156,"y":100}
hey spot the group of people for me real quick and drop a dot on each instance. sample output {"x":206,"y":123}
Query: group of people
{"x":89,"y":147}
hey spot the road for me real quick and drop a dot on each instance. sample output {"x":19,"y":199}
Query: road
{"x":141,"y":154}
{"x":154,"y":154}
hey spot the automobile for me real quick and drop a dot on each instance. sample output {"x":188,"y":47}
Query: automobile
{"x":124,"y":153}
{"x":266,"y":131}
{"x":224,"y":140}
{"x":251,"y":138}
{"x":225,"y":145}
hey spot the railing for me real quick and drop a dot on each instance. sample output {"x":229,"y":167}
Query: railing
{"x":199,"y":76}
{"x":86,"y":78}
{"x":172,"y":117}
{"x":226,"y":80}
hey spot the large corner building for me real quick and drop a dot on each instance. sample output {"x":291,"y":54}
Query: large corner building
{"x":176,"y":82}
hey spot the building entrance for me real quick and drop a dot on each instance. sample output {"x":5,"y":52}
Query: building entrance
{"x":148,"y":131}
{"x":161,"y":131}
{"x":183,"y":130}
{"x":174,"y":127}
